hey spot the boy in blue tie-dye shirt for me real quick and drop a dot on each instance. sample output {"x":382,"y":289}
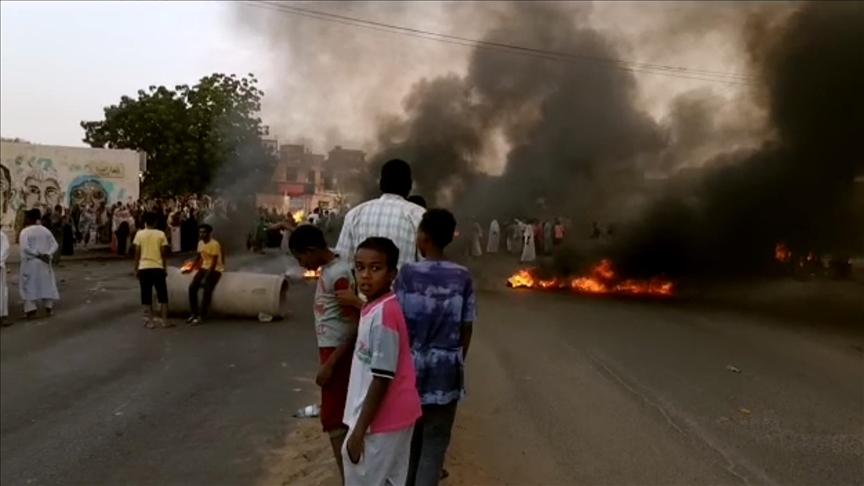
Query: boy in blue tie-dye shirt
{"x":437,"y":298}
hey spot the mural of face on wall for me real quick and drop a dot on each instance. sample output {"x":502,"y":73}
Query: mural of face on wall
{"x":88,"y":192}
{"x":41,"y":191}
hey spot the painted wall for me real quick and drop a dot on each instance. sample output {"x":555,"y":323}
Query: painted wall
{"x":42,"y":176}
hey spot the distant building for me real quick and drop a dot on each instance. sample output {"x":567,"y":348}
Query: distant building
{"x":344,"y":166}
{"x":303,"y":180}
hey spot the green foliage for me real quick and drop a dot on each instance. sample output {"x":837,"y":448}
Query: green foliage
{"x":197,"y":139}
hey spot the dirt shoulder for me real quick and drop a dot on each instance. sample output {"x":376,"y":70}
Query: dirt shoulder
{"x":306,"y":460}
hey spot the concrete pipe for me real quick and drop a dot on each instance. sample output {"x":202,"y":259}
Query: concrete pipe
{"x":238,"y":294}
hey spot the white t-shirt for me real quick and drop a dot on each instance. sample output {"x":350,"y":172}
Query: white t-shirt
{"x":331,"y":326}
{"x":383,"y":350}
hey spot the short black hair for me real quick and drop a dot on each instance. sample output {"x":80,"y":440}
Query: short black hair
{"x":206,"y":227}
{"x":439,"y":225}
{"x":418,"y":200}
{"x":150,"y":218}
{"x":306,"y":237}
{"x":396,"y":178}
{"x":385,"y":246}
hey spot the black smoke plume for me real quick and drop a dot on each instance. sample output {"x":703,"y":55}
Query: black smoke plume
{"x":798,"y":188}
{"x":573,"y":129}
{"x":579,"y":144}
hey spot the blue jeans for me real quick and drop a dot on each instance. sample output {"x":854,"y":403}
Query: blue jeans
{"x":429,"y":444}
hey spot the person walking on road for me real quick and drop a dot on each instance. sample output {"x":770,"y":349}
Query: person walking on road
{"x":211,"y":260}
{"x":36,"y":281}
{"x":151,"y":247}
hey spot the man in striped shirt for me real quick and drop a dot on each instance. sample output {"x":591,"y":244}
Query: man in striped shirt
{"x":390,"y":216}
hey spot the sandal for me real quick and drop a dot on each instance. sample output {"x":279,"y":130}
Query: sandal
{"x":149,"y":324}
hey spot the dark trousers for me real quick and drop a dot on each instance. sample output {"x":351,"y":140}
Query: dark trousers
{"x":150,"y":278}
{"x":207,"y":280}
{"x":122,"y":235}
{"x":429,"y":444}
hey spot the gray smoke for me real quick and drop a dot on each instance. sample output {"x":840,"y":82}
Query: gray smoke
{"x":328,"y":83}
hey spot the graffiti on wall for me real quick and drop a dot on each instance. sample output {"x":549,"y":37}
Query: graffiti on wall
{"x":43,"y":177}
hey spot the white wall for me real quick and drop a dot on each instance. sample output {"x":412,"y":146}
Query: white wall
{"x":41,"y":176}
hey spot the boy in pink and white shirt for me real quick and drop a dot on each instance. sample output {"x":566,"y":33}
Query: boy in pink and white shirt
{"x":383,"y":402}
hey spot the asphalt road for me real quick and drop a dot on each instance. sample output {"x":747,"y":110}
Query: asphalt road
{"x":92,"y":397}
{"x":562,"y":390}
{"x":574,"y":390}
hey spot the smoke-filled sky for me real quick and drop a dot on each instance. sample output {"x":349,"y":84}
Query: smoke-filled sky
{"x":325,"y":83}
{"x":577,"y":137}
{"x":330,"y":82}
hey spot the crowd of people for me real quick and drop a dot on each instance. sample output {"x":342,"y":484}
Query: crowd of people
{"x":394,"y":320}
{"x":39,"y":246}
{"x":179,"y":219}
{"x":524,"y":238}
{"x":274,"y":227}
{"x":89,"y":225}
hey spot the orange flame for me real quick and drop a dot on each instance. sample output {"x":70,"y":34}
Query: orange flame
{"x":601,"y":280}
{"x":188,"y":266}
{"x":782,"y":253}
{"x":312,"y":274}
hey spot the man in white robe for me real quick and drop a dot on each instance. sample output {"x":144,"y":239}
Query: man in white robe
{"x":529,"y":253}
{"x":514,"y":238}
{"x":36,"y":280}
{"x":476,"y":249}
{"x":4,"y":289}
{"x":494,"y":237}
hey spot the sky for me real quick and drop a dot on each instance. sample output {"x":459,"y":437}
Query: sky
{"x":62,"y":62}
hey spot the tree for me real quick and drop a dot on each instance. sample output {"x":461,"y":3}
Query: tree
{"x":199,"y":138}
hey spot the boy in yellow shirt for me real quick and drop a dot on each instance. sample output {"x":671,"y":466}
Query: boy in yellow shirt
{"x":211,"y":261}
{"x":151,"y":246}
